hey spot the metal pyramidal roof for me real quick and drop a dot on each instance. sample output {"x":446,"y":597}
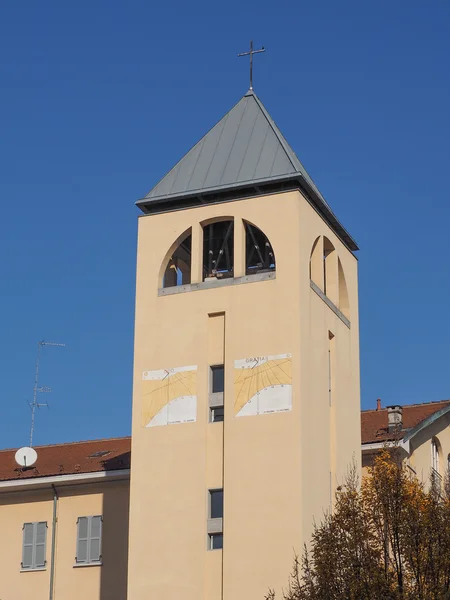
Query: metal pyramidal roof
{"x":245,"y":153}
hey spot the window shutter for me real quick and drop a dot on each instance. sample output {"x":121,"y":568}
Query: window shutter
{"x":27,"y":550}
{"x":82,"y":540}
{"x":40,"y":541}
{"x":95,"y":551}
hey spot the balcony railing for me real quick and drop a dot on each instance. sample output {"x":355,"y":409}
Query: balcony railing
{"x":436,"y":479}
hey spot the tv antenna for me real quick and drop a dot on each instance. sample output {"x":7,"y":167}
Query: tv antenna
{"x":38,"y":388}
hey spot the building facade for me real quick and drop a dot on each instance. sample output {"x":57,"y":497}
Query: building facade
{"x":246,"y":382}
{"x":64,"y":523}
{"x":421,"y":431}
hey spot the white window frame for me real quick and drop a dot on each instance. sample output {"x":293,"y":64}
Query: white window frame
{"x":435,"y":455}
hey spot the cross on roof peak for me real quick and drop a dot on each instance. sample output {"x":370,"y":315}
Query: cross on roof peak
{"x":250,"y":53}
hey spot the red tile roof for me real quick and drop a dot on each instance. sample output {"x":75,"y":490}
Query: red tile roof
{"x":115,"y":453}
{"x":67,"y":459}
{"x":374,"y":423}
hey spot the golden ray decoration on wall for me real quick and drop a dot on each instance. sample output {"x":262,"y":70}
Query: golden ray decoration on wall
{"x":262,"y":385}
{"x":169,"y":396}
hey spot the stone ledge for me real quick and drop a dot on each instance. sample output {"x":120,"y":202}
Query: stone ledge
{"x":330,"y":304}
{"x":217,"y":283}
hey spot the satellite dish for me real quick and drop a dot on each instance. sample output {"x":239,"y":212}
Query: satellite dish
{"x":26,"y":456}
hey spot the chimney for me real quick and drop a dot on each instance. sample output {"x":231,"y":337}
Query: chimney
{"x":378,"y":403}
{"x":395,"y":418}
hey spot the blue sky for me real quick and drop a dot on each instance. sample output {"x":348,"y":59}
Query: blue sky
{"x":99,"y":99}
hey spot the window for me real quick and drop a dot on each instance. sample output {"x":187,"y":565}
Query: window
{"x":89,"y":540}
{"x":435,"y":455}
{"x":215,"y":520}
{"x":217,"y":414}
{"x":217,"y":379}
{"x":259,"y":254}
{"x":34,"y":541}
{"x":99,"y":453}
{"x":216,"y":504}
{"x":217,"y":382}
{"x":216,"y":541}
{"x":218,"y":250}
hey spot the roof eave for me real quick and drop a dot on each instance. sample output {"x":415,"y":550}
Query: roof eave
{"x":46,"y":482}
{"x":370,"y":447}
{"x":227,"y":193}
{"x":426,"y":422}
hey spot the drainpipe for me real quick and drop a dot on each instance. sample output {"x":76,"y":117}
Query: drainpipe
{"x":52,"y":559}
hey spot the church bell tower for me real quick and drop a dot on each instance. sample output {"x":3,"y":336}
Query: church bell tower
{"x":246,"y":408}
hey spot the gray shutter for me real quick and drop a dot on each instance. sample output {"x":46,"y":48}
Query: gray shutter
{"x":40,"y":540}
{"x":27,"y":549}
{"x":82,"y":540}
{"x":95,"y":550}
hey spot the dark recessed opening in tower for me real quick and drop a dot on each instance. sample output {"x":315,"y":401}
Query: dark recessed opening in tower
{"x":178,"y":270}
{"x":259,"y":254}
{"x":218,"y":250}
{"x":328,"y":279}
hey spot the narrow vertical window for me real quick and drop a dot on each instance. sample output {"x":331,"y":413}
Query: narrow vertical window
{"x":34,"y":545}
{"x":215,"y":519}
{"x":89,"y":540}
{"x":217,"y":379}
{"x":436,"y":477}
{"x":216,"y":504}
{"x":216,"y":403}
{"x":434,"y":455}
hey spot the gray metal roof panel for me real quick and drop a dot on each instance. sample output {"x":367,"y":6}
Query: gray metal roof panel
{"x":245,"y":148}
{"x":245,"y":145}
{"x":256,"y":142}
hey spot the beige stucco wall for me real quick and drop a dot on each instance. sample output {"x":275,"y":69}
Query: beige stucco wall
{"x":275,"y":468}
{"x":105,"y":582}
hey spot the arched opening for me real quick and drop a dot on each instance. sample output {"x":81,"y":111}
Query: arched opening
{"x":316,"y":271}
{"x":259,"y":254}
{"x":177,"y":269}
{"x":344,"y":305}
{"x":218,"y":249}
{"x":330,"y":275}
